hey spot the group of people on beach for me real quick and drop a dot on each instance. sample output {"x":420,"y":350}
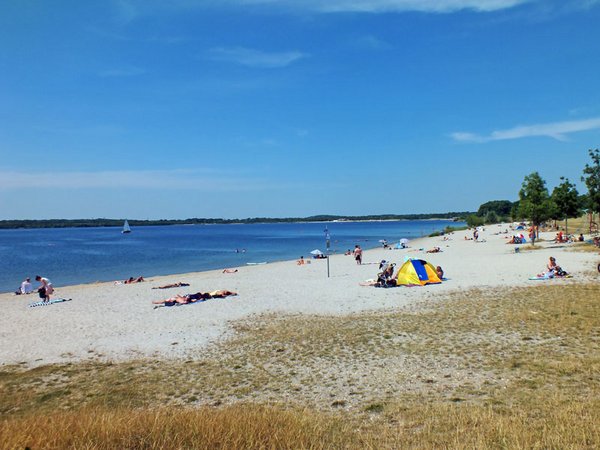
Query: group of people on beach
{"x":131,"y":280}
{"x":45,"y":289}
{"x":517,"y":239}
{"x":193,"y":298}
{"x":563,"y":238}
{"x":387,"y":278}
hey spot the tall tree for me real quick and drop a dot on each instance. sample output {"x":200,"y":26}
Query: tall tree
{"x":502,"y":208}
{"x":591,"y":176}
{"x":534,"y":200}
{"x":566,"y":202}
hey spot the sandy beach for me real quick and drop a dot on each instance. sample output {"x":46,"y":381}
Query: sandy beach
{"x":108,"y":321}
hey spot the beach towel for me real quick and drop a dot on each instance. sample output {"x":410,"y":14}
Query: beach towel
{"x":550,"y":278}
{"x":50,"y":302}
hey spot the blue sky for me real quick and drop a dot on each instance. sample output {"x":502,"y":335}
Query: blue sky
{"x":243,"y":108}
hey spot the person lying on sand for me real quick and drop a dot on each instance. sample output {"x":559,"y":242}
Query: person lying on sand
{"x":181,"y":299}
{"x":132,"y":280}
{"x":174,"y":285}
{"x":222,"y":293}
{"x":192,"y":298}
{"x":434,"y":250}
{"x":229,"y":270}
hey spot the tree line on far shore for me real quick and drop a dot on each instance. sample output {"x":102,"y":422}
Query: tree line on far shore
{"x":87,"y":223}
{"x":537,"y":205}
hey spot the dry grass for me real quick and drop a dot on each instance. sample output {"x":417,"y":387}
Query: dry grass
{"x":502,"y":369}
{"x":585,"y":247}
{"x":232,"y":428}
{"x":577,"y":225}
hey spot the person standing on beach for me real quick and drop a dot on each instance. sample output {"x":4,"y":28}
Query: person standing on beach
{"x":358,"y":254}
{"x":46,"y":289}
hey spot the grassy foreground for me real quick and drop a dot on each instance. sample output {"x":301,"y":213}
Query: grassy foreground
{"x":516,"y":368}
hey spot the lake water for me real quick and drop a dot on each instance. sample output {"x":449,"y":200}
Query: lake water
{"x":81,"y":255}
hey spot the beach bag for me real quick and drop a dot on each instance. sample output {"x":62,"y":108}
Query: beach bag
{"x":42,"y":292}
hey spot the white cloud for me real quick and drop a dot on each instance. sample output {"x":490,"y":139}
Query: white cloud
{"x":255,"y":58}
{"x":556,"y":130}
{"x":380,"y":6}
{"x":128,"y":10}
{"x":197,"y":180}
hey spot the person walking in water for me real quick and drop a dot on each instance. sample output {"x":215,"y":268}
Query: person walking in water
{"x":357,"y":254}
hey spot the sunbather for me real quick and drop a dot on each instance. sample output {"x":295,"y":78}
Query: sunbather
{"x":192,"y":298}
{"x":222,"y":293}
{"x":132,"y":280}
{"x":181,"y":299}
{"x":168,"y":286}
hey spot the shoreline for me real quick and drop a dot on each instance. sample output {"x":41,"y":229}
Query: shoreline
{"x":217,"y":222}
{"x":117,"y":322}
{"x":150,"y":263}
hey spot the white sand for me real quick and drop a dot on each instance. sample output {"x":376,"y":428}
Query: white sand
{"x":117,"y":322}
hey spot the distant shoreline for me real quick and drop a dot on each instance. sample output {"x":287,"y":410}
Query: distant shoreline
{"x":93,"y":223}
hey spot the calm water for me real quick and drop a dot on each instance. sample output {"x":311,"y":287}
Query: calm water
{"x":81,"y":255}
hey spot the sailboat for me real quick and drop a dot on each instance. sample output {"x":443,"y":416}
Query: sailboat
{"x":126,"y":228}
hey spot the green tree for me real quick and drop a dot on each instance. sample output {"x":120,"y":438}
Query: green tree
{"x":491,"y":217}
{"x":501,"y":208}
{"x":515,"y":212}
{"x":591,"y":176}
{"x":534,"y":200}
{"x":566,"y":202}
{"x":474,"y":220}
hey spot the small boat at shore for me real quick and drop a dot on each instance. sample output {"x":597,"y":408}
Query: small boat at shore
{"x":126,"y":228}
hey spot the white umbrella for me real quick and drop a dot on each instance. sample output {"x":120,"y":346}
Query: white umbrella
{"x":316,"y":252}
{"x":404,"y":241}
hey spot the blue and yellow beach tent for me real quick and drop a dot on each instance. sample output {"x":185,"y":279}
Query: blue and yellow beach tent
{"x":417,"y":272}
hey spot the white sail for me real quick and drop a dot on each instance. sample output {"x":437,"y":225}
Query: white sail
{"x":126,"y":228}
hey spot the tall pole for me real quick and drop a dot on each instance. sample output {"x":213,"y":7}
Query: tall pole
{"x":327,"y":244}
